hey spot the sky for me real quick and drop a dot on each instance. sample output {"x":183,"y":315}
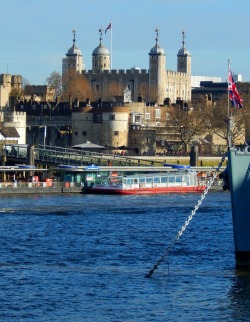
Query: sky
{"x":36,"y":34}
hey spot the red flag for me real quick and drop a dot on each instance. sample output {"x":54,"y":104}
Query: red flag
{"x":109,"y":27}
{"x":234,"y":96}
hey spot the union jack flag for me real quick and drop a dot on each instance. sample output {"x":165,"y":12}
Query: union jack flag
{"x":234,"y":96}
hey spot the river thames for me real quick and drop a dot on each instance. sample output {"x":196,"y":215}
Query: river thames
{"x":72,"y":257}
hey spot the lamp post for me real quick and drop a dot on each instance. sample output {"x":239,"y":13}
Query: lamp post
{"x":44,"y":134}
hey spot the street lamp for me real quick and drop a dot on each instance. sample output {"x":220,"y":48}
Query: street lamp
{"x":44,"y":134}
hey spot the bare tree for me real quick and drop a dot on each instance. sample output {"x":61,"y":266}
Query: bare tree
{"x":76,"y":86}
{"x":55,"y":81}
{"x":188,"y":126}
{"x":16,"y":95}
{"x":219,"y":120}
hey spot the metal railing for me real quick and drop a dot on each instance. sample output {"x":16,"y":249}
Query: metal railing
{"x":46,"y":154}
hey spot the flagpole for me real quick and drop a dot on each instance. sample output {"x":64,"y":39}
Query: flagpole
{"x":111,"y":45}
{"x":228,"y":90}
{"x":229,"y":121}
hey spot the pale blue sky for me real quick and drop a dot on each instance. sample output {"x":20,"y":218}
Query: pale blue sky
{"x":36,"y":34}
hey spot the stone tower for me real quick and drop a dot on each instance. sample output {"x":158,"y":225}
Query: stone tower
{"x":73,"y":60}
{"x":184,"y":58}
{"x":157,"y":64}
{"x":100,"y":57}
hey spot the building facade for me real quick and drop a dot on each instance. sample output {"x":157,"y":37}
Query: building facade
{"x":12,"y":123}
{"x":155,"y":84}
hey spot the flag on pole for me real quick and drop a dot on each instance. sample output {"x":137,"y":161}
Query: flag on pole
{"x":234,"y":96}
{"x":109,"y":27}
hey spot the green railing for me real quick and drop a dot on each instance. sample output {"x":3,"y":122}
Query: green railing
{"x":45,"y":154}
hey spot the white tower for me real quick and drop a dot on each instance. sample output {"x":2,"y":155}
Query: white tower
{"x":73,"y":60}
{"x":100,"y":57}
{"x":157,"y":65}
{"x":184,"y":58}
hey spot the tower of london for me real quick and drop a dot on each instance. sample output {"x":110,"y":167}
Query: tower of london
{"x":155,"y":84}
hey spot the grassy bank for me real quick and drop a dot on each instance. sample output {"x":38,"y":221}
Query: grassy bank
{"x":202,"y":161}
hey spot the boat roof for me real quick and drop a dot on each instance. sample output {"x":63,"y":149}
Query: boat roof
{"x":150,"y":175}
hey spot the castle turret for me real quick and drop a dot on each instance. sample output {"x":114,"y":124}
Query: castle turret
{"x":100,"y":57}
{"x":184,"y":58}
{"x":157,"y":64}
{"x":73,"y":60}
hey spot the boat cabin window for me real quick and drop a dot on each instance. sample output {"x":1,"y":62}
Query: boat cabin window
{"x":178,"y":178}
{"x":156,"y":180}
{"x":171,"y":179}
{"x":164,"y":179}
{"x":128,"y":181}
{"x":149,"y":180}
{"x":141,"y":182}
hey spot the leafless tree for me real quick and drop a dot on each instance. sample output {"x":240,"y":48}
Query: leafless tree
{"x":76,"y":86}
{"x":55,"y":81}
{"x":187,"y":125}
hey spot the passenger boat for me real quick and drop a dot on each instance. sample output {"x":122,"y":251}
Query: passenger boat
{"x":154,"y":183}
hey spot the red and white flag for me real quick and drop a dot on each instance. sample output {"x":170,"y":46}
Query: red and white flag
{"x":234,"y":96}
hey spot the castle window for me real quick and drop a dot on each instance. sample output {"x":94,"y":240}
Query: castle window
{"x":115,"y":133}
{"x":111,"y":117}
{"x":76,"y":133}
{"x":97,"y":118}
{"x":147,"y":116}
{"x":157,"y":113}
{"x":97,"y":88}
{"x":84,"y":133}
{"x":137,"y":118}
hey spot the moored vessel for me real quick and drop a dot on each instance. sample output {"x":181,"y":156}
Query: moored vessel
{"x":239,"y":185}
{"x":154,"y":183}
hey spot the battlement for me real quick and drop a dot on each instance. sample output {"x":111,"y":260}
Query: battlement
{"x":132,"y":71}
{"x":173,"y":73}
{"x":10,"y":79}
{"x":5,"y":79}
{"x":16,"y":80}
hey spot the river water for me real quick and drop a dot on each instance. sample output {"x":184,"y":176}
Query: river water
{"x":85,"y":258}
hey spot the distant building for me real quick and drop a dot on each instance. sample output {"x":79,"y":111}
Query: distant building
{"x":7,"y":84}
{"x":12,"y":123}
{"x":155,"y":84}
{"x":238,"y":77}
{"x":9,"y":135}
{"x":39,"y":93}
{"x":196,"y":80}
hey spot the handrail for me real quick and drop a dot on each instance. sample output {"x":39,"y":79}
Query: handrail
{"x":70,"y":156}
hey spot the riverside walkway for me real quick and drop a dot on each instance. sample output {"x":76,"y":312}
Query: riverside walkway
{"x":52,"y":155}
{"x":49,"y":159}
